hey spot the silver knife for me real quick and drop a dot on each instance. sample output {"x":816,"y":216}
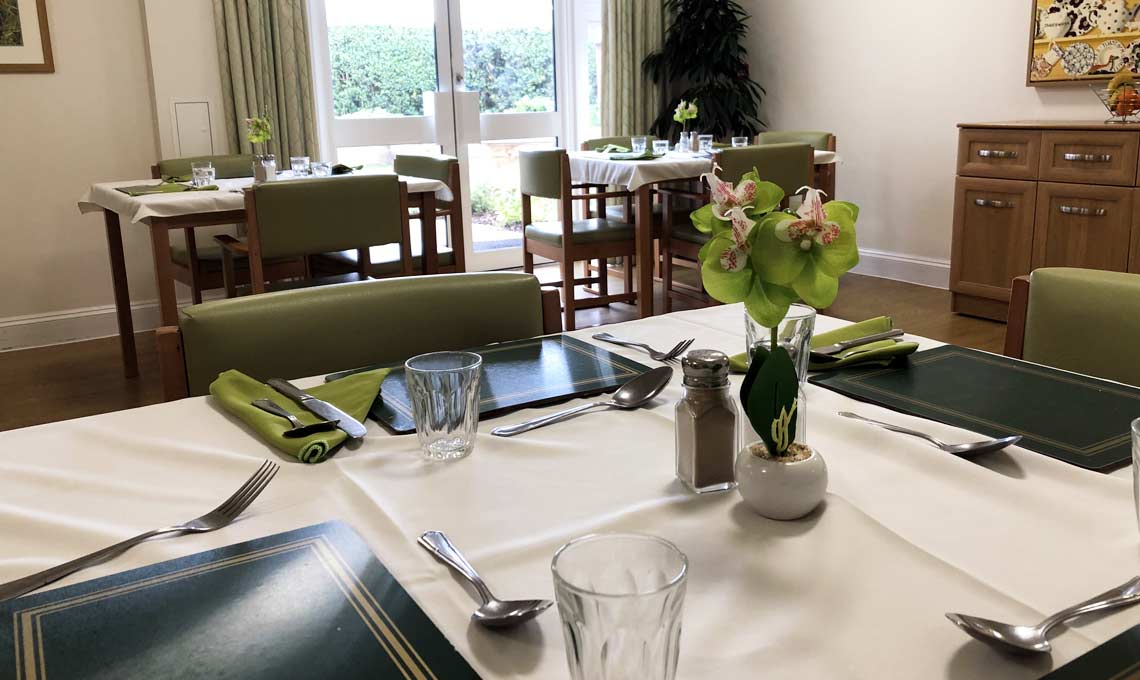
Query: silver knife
{"x":351,"y":426}
{"x":848,"y":344}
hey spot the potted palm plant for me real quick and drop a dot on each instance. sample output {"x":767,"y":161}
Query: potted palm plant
{"x":769,"y":259}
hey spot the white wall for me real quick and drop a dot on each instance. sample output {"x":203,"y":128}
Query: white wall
{"x":892,"y":79}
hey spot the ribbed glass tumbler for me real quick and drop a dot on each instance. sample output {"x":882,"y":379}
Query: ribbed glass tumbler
{"x":620,"y":598}
{"x":444,"y":390}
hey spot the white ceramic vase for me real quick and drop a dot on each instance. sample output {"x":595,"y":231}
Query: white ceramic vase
{"x":779,"y":490}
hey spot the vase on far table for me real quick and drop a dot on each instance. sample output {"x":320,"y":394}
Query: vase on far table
{"x":264,"y":168}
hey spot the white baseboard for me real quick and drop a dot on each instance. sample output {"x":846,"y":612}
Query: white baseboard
{"x":924,"y":271}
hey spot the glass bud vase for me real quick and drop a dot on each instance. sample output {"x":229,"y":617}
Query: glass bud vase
{"x":794,"y":334}
{"x":264,"y":168}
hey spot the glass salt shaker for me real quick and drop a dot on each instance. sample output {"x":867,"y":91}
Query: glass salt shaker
{"x":707,"y":439}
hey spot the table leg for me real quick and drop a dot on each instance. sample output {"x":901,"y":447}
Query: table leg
{"x":644,"y":236}
{"x":163,"y":273}
{"x":430,"y":264}
{"x":122,"y":294}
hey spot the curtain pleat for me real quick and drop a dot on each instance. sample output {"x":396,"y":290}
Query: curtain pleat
{"x":631,"y":30}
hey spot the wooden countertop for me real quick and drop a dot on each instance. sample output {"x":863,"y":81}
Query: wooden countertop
{"x":1054,"y":125}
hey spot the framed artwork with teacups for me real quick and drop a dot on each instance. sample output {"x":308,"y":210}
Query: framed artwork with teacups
{"x":1087,"y":41}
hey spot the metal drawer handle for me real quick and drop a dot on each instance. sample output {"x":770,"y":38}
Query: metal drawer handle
{"x":1088,"y":157}
{"x":987,"y":203}
{"x":1083,"y":212}
{"x":996,"y":153}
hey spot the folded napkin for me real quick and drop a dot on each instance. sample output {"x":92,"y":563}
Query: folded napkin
{"x":646,"y":155}
{"x":342,"y":169}
{"x":164,"y":188}
{"x":881,"y":352}
{"x":176,"y":178}
{"x":612,"y":148}
{"x":354,"y":395}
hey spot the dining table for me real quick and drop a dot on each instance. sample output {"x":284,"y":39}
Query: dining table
{"x":857,"y":589}
{"x":639,"y":177}
{"x":190,"y":210}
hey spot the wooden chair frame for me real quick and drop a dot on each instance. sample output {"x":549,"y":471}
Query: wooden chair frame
{"x":688,"y":253}
{"x":1015,"y":323}
{"x":172,"y":357}
{"x":454,"y":216}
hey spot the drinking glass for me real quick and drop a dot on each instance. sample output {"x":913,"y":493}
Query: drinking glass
{"x":704,"y":143}
{"x":684,"y":144}
{"x":201,"y":173}
{"x":739,"y":141}
{"x":620,"y":598}
{"x":1136,"y":466}
{"x":444,"y":390}
{"x":321,"y":169}
{"x":637,"y":144}
{"x":660,"y":146}
{"x":299,"y":165}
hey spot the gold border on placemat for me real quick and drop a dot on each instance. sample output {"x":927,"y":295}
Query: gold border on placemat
{"x":28,"y":623}
{"x":1130,"y":673}
{"x":1025,"y":367}
{"x":405,"y":408}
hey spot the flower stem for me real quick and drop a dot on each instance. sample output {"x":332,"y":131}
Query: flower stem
{"x":775,"y":339}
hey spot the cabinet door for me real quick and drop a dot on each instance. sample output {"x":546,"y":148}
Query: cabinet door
{"x":1082,"y":226}
{"x":1134,"y":249}
{"x":993,"y":235}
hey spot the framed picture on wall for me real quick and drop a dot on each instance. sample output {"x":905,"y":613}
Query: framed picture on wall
{"x":1082,"y":40}
{"x":25,"y":46}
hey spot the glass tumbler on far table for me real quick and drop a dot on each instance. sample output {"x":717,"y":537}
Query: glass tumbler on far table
{"x":705,"y":143}
{"x":739,"y":141}
{"x":444,"y":391}
{"x":620,"y":598}
{"x":201,"y":173}
{"x":637,"y":144}
{"x":299,"y":165}
{"x":660,"y":146}
{"x":321,"y":169}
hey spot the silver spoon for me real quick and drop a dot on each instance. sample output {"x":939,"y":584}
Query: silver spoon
{"x":299,"y":429}
{"x":493,"y":612}
{"x":633,"y":394}
{"x":1032,"y":638}
{"x":964,"y":450}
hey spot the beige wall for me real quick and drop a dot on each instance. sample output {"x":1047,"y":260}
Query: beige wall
{"x":892,"y":79}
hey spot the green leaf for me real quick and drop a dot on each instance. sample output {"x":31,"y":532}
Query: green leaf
{"x":725,"y":286}
{"x":767,"y":303}
{"x":835,"y":208}
{"x":776,"y":261}
{"x":768,"y":197}
{"x":773,"y":391}
{"x":816,"y":287}
{"x":703,"y":218}
{"x":839,"y":256}
{"x":759,"y":355}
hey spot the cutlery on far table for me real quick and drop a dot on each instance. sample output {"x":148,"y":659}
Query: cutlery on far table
{"x":634,"y":394}
{"x":865,"y":340}
{"x":299,"y":429}
{"x":215,"y":519}
{"x":666,"y":357}
{"x":493,"y":612}
{"x":964,"y":450}
{"x":1033,"y":638}
{"x":351,"y":426}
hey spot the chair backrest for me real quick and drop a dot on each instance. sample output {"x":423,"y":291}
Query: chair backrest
{"x":225,"y":167}
{"x":787,"y":165}
{"x":430,"y":167}
{"x":315,"y":331}
{"x":626,"y":141}
{"x":1085,"y":320}
{"x":819,"y":140}
{"x":327,"y":214}
{"x":540,"y":172}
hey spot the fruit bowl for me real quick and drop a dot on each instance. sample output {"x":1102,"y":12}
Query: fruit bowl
{"x":1123,"y":103}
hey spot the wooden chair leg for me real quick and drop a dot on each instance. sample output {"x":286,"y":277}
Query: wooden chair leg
{"x":228,"y":277}
{"x":666,"y":253}
{"x":568,"y":293}
{"x":528,"y":260}
{"x":603,"y":276}
{"x":627,"y":273}
{"x":194,"y":264}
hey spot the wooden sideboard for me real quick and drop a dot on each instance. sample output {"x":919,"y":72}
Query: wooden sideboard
{"x":1041,"y":194}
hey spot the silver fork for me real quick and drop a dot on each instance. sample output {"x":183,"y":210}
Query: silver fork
{"x":215,"y":519}
{"x":665,"y":357}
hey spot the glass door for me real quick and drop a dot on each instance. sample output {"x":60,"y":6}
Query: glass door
{"x":476,"y":79}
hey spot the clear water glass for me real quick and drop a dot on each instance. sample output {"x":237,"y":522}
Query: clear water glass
{"x":321,"y":169}
{"x":637,"y":144}
{"x":684,"y":144}
{"x":705,"y":143}
{"x":1136,"y":466}
{"x":444,"y":389}
{"x":201,"y":173}
{"x":620,"y":598}
{"x":739,"y":141}
{"x":299,"y":165}
{"x":660,"y":146}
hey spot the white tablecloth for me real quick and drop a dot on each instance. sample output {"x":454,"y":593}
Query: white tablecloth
{"x":857,"y":590}
{"x":103,"y":195}
{"x":597,"y":168}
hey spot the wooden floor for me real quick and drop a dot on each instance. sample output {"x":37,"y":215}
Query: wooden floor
{"x":46,"y":384}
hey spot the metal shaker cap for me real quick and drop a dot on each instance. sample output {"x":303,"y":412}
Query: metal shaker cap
{"x":705,"y":368}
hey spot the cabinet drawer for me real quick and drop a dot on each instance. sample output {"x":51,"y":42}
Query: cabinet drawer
{"x":1012,"y":154}
{"x":1089,"y":157}
{"x":1082,"y":226}
{"x":993,"y":235}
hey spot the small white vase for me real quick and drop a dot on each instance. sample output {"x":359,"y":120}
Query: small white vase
{"x":779,"y":490}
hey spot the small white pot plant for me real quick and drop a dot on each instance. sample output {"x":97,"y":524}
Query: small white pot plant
{"x":769,"y":259}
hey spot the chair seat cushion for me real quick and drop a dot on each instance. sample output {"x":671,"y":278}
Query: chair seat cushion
{"x":687,"y":232}
{"x":210,"y":257}
{"x":585,"y":231}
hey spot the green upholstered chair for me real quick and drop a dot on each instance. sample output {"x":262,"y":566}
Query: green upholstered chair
{"x":225,"y":167}
{"x":1081,"y":320}
{"x":297,"y":218}
{"x":316,"y":331}
{"x":788,"y":165}
{"x":545,"y":173}
{"x":616,"y":212}
{"x":824,"y":176}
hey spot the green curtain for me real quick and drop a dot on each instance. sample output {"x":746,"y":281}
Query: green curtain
{"x":631,"y":30}
{"x":263,"y":52}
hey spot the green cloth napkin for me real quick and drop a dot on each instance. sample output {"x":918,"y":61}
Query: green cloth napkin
{"x":876,"y":352}
{"x":164,"y":188}
{"x":612,"y":148}
{"x":353,"y":394}
{"x":176,"y":178}
{"x":342,"y":169}
{"x":646,"y":155}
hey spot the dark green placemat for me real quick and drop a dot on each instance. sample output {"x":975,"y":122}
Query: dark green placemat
{"x":308,"y":603}
{"x":1078,"y":419}
{"x":518,"y":374}
{"x":1117,"y":659}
